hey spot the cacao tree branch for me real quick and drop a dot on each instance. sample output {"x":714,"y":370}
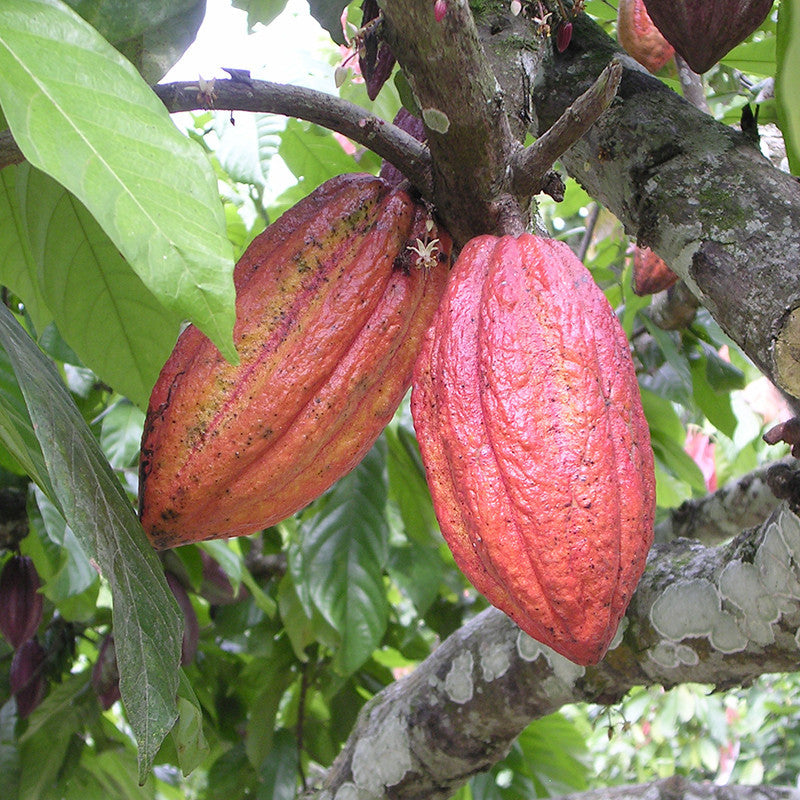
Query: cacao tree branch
{"x":720,"y":615}
{"x":742,"y":503}
{"x":387,"y":140}
{"x":678,"y":788}
{"x":528,"y":167}
{"x":464,"y":110}
{"x":696,"y":192}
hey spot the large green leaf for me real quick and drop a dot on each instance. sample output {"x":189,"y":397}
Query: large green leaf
{"x":16,"y":429}
{"x":147,"y":625}
{"x":81,"y":113}
{"x":278,"y":774}
{"x":787,"y":79}
{"x":313,"y":154}
{"x":329,"y":14}
{"x":101,"y":307}
{"x":263,"y":11}
{"x":17,"y":265}
{"x":337,"y":562}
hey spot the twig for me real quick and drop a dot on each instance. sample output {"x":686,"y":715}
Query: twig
{"x":591,"y":221}
{"x":692,"y":85}
{"x":388,"y":141}
{"x":531,"y":164}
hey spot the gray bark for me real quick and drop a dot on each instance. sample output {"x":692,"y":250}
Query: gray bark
{"x":720,"y":615}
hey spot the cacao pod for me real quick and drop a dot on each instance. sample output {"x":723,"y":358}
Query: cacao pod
{"x":215,"y":585}
{"x":650,"y":273}
{"x":20,"y":601}
{"x":407,"y":122}
{"x":331,"y":308}
{"x":191,"y":627}
{"x":26,"y":676}
{"x":703,"y":31}
{"x":105,"y":674}
{"x":535,"y":446}
{"x":640,"y":38}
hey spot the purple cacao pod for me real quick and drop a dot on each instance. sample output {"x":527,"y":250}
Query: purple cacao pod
{"x":27,"y":676}
{"x":407,"y":122}
{"x":703,"y":31}
{"x":215,"y":586}
{"x":105,"y":674}
{"x":191,"y":627}
{"x":20,"y":601}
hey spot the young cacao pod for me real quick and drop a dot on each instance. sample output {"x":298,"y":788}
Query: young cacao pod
{"x":20,"y":601}
{"x":640,"y":38}
{"x":105,"y":674}
{"x":650,"y":272}
{"x":26,"y":676}
{"x":703,"y":31}
{"x":332,"y":303}
{"x":535,"y":446}
{"x":191,"y":626}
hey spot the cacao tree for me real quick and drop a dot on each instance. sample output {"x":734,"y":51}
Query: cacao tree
{"x":339,"y":653}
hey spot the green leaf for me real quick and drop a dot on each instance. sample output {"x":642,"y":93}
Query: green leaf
{"x":338,"y":560}
{"x":715,"y":405}
{"x":9,"y":751}
{"x":16,"y":429}
{"x":329,"y":14}
{"x":313,"y":154}
{"x":408,"y":487}
{"x":101,"y":307}
{"x":17,"y":265}
{"x":187,"y":735}
{"x":787,"y":79}
{"x":246,"y":149}
{"x":753,"y":57}
{"x":147,"y":625}
{"x":278,"y":773}
{"x":81,"y":113}
{"x":121,"y":434}
{"x":263,"y":11}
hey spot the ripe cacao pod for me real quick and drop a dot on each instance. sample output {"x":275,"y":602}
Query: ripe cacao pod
{"x":20,"y":601}
{"x":26,"y":676}
{"x":650,"y":273}
{"x":640,"y":38}
{"x":331,"y":308}
{"x":535,"y":446}
{"x":703,"y":31}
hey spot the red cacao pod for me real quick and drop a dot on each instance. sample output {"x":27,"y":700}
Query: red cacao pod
{"x":535,"y":446}
{"x":331,"y":308}
{"x":20,"y":601}
{"x":26,"y":676}
{"x":703,"y":31}
{"x":640,"y":37}
{"x":650,"y":273}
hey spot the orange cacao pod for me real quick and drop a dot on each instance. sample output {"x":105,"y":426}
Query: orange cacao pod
{"x":640,"y":38}
{"x":650,"y":273}
{"x":331,"y":306}
{"x":535,"y":446}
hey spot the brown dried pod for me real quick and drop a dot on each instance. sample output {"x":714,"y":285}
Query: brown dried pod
{"x":640,"y":37}
{"x":332,"y":302}
{"x":20,"y":601}
{"x":703,"y":31}
{"x":535,"y":445}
